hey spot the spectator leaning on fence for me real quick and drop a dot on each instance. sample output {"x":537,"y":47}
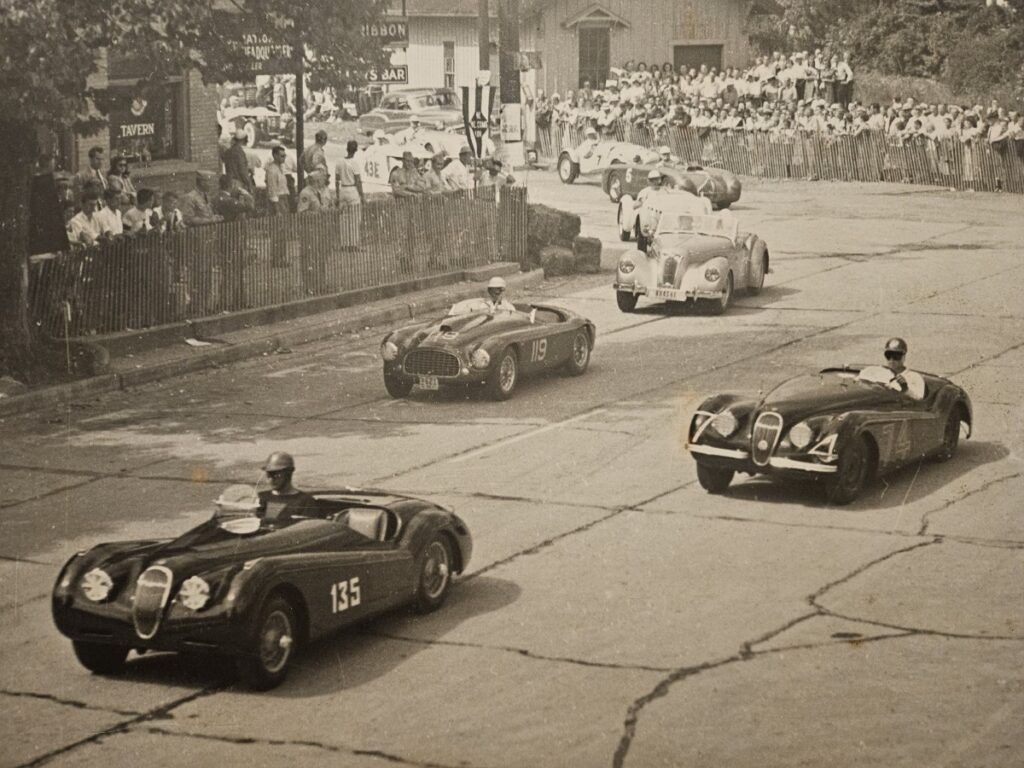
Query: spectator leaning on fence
{"x":406,"y":181}
{"x":197,"y":205}
{"x":84,"y":228}
{"x":456,"y":174}
{"x":316,"y":196}
{"x":139,"y":218}
{"x":109,"y":216}
{"x":167,"y":216}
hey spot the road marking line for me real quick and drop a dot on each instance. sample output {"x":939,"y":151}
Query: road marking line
{"x":483,"y":450}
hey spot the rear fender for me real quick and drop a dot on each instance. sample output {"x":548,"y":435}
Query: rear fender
{"x":951,"y":397}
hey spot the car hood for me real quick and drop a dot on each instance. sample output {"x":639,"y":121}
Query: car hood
{"x":208,"y":547}
{"x":693,"y":248}
{"x":466,"y":330}
{"x":811,"y":395}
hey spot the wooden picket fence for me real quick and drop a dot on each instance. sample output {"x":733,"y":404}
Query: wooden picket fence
{"x":870,"y":156}
{"x":140,"y":282}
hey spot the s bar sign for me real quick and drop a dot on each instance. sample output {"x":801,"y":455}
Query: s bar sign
{"x":394,"y":74}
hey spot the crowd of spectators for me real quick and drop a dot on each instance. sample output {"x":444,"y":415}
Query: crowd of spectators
{"x":783,"y":95}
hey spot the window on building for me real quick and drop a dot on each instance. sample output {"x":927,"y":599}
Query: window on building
{"x":687,"y":57}
{"x":595,"y":47}
{"x":146,"y":121}
{"x":449,"y":64}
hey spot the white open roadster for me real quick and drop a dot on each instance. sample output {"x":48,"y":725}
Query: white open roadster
{"x":589,"y":159}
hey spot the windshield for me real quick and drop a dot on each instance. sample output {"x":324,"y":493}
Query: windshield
{"x":237,"y":509}
{"x":467,"y":307}
{"x":710,"y":225}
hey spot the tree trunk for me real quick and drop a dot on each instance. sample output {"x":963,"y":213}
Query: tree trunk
{"x":18,"y":343}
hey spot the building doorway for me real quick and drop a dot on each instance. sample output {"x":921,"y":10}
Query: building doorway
{"x":692,"y":56}
{"x":595,"y":54}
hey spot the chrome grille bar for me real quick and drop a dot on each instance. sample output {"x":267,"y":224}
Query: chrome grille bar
{"x":767,"y":430}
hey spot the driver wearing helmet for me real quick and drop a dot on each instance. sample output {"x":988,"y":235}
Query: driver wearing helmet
{"x":496,"y":301}
{"x":664,"y":157}
{"x":894,"y":374}
{"x":380,"y":138}
{"x":283,"y":500}
{"x":654,"y":179}
{"x":590,"y":142}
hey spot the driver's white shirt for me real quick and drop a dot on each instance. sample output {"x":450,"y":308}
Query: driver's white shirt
{"x":501,"y":305}
{"x":882,"y":375}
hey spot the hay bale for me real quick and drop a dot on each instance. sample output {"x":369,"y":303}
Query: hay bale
{"x":549,"y":226}
{"x":586,"y":254}
{"x":557,"y":260}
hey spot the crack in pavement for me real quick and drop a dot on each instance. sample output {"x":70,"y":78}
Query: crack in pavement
{"x":923,"y":529}
{"x":524,"y":652}
{"x":67,"y":702}
{"x":251,"y":740}
{"x":745,"y":652}
{"x":157,"y":713}
{"x":917,"y":630}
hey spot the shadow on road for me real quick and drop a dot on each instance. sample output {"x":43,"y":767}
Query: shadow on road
{"x":905,"y":486}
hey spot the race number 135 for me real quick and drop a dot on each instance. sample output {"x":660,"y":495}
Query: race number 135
{"x":345,"y":595}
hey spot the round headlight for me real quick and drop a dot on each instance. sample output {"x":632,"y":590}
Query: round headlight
{"x":725,"y":423}
{"x":711,"y":274}
{"x":480,"y":358}
{"x":194,"y":593}
{"x":389,"y":350}
{"x":801,"y":435}
{"x":625,"y":266}
{"x":96,"y":584}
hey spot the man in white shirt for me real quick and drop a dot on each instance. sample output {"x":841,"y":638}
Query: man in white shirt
{"x":167,"y":215}
{"x":109,"y":216}
{"x":411,"y":133}
{"x":496,"y":301}
{"x":455,"y":175}
{"x":84,"y":228}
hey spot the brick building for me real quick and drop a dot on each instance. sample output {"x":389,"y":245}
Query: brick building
{"x":168,"y":133}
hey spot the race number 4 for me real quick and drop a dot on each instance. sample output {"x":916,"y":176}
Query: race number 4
{"x":345,"y":595}
{"x":538,"y":350}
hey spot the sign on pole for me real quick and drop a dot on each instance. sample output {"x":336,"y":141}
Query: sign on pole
{"x":476,"y":113}
{"x":396,"y":74}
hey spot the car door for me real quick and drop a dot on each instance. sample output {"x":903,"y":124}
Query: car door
{"x":353,"y":577}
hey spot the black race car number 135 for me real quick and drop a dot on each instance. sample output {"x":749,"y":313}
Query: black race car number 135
{"x":345,"y":595}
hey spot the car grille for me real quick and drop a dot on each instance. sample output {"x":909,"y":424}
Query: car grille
{"x":767,"y":429}
{"x":431,"y":362}
{"x":668,"y":274}
{"x":151,"y":592}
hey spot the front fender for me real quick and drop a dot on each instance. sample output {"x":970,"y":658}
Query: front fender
{"x":694,"y":278}
{"x":638,"y":274}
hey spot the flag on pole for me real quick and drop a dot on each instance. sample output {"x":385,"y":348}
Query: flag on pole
{"x":476,"y":113}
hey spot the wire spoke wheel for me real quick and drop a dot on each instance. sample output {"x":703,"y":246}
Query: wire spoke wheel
{"x":434,"y":574}
{"x":276,"y":639}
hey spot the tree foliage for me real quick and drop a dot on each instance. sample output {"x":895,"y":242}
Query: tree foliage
{"x":50,"y":48}
{"x":966,"y":43}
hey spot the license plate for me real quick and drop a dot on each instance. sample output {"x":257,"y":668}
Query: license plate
{"x":665,"y":293}
{"x":428,"y":382}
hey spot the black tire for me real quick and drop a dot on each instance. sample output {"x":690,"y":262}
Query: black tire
{"x":641,"y":238}
{"x":853,"y":473}
{"x":625,"y":235}
{"x":567,"y":169}
{"x":626,"y":300}
{"x":579,"y":355}
{"x":100,"y":658}
{"x":505,"y":377}
{"x":758,"y":268}
{"x":397,"y":386}
{"x":274,"y":645}
{"x":615,"y":187}
{"x":433,"y":574}
{"x":719,"y":306}
{"x":714,"y":479}
{"x":950,"y":436}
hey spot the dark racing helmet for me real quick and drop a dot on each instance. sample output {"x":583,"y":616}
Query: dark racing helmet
{"x":895,"y":347}
{"x":279,"y":460}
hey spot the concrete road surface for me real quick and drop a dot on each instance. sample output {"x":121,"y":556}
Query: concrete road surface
{"x":614,"y":614}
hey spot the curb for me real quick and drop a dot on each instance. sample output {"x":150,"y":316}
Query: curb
{"x":355,"y":319}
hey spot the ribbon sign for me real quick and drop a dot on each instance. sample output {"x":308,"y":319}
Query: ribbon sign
{"x":476,"y":114}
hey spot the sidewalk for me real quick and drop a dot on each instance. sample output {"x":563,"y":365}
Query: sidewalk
{"x":135,"y":364}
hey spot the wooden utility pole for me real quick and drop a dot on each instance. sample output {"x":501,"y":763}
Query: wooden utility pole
{"x":511,"y":95}
{"x":484,"y":35}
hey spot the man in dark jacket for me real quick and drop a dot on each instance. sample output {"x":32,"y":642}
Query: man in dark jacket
{"x":236,"y":164}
